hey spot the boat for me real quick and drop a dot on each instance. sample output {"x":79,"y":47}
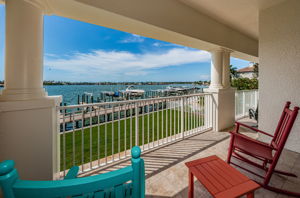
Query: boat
{"x":174,"y":90}
{"x":133,"y":92}
{"x":88,"y":93}
{"x":108,"y":93}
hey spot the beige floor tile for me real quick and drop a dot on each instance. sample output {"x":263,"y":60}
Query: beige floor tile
{"x":168,"y":176}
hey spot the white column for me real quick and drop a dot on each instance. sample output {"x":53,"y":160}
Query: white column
{"x":226,"y":69}
{"x":216,"y":69}
{"x":28,"y":117}
{"x":223,"y":95}
{"x":23,"y":51}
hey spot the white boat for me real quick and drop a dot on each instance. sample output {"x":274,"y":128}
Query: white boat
{"x":175,"y":89}
{"x":134,"y":92}
{"x":108,"y":93}
{"x":88,"y":93}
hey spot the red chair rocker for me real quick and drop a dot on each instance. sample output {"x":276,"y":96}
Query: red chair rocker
{"x":244,"y":148}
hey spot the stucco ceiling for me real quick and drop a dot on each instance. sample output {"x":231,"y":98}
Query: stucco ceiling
{"x":241,"y":15}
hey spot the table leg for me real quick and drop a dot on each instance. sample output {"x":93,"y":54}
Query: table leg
{"x":250,"y":194}
{"x":191,"y":185}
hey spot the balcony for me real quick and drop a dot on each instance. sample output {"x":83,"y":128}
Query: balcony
{"x":96,"y":134}
{"x":170,"y":130}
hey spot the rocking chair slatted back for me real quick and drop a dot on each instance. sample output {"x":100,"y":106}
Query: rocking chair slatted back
{"x":125,"y":182}
{"x":284,"y":126}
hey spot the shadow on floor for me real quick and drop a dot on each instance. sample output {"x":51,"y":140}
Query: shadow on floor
{"x":164,"y":157}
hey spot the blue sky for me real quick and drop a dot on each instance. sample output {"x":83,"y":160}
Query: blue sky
{"x":77,"y":51}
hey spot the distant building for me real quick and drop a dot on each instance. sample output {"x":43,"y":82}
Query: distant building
{"x":246,"y":72}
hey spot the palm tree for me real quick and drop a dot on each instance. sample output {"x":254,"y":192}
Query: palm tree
{"x":255,"y":65}
{"x":233,"y":72}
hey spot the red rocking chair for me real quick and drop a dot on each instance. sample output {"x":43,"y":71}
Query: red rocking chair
{"x":241,"y":147}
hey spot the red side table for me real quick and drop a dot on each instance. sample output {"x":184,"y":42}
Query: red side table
{"x":219,"y":178}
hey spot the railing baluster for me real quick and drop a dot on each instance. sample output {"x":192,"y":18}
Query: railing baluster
{"x":137,"y":124}
{"x":64,"y":143}
{"x":153,"y":124}
{"x":105,"y":133}
{"x":195,"y":113}
{"x":125,"y":129}
{"x":206,"y":112}
{"x":174,"y":118}
{"x":244,"y":103}
{"x":168,"y":109}
{"x":171,"y":119}
{"x":73,"y":138}
{"x":162,"y":122}
{"x":201,"y":105}
{"x":148,"y":124}
{"x":201,"y":120}
{"x":158,"y":122}
{"x":178,"y":118}
{"x":82,"y":140}
{"x":182,"y":117}
{"x":91,"y":138}
{"x":98,"y":135}
{"x":189,"y":115}
{"x":112,"y":132}
{"x":130,"y":130}
{"x":143,"y":122}
{"x":119,"y":130}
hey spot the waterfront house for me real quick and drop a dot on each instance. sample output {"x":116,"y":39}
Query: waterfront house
{"x":264,"y":31}
{"x":246,"y":72}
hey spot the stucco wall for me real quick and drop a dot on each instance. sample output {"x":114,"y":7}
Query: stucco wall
{"x":279,"y":52}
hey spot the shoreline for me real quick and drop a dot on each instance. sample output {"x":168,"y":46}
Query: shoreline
{"x":124,"y":83}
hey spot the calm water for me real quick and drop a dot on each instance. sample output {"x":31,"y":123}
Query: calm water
{"x":70,"y":92}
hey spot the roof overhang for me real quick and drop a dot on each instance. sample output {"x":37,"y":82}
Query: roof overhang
{"x":166,"y":20}
{"x":201,"y":24}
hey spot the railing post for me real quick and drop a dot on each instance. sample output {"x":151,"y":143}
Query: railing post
{"x":244,"y":104}
{"x":236,"y":104}
{"x":137,"y":124}
{"x":255,"y":98}
{"x":182,"y":117}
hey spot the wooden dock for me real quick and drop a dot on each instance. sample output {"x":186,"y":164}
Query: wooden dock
{"x":98,"y":110}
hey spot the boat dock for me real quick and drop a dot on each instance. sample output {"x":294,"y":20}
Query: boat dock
{"x":98,"y":110}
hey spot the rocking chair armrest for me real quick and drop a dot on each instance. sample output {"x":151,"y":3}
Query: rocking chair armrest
{"x":254,"y":129}
{"x":251,"y":139}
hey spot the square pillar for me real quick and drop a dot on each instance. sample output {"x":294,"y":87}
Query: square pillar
{"x":29,"y":136}
{"x":224,"y":108}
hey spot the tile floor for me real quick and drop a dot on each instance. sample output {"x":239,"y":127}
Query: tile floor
{"x":167,"y":175}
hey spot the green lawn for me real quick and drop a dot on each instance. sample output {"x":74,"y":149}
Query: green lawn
{"x":104,"y":137}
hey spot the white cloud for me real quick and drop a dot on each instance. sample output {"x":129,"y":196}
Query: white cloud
{"x":133,"y":38}
{"x":160,"y":44}
{"x":102,"y":63}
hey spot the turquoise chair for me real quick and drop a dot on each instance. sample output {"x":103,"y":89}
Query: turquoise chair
{"x":122,"y":183}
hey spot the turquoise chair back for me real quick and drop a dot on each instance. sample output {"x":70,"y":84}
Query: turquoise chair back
{"x":125,"y":182}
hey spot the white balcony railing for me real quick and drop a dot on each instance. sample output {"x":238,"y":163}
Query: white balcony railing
{"x":93,"y":135}
{"x":244,"y":100}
